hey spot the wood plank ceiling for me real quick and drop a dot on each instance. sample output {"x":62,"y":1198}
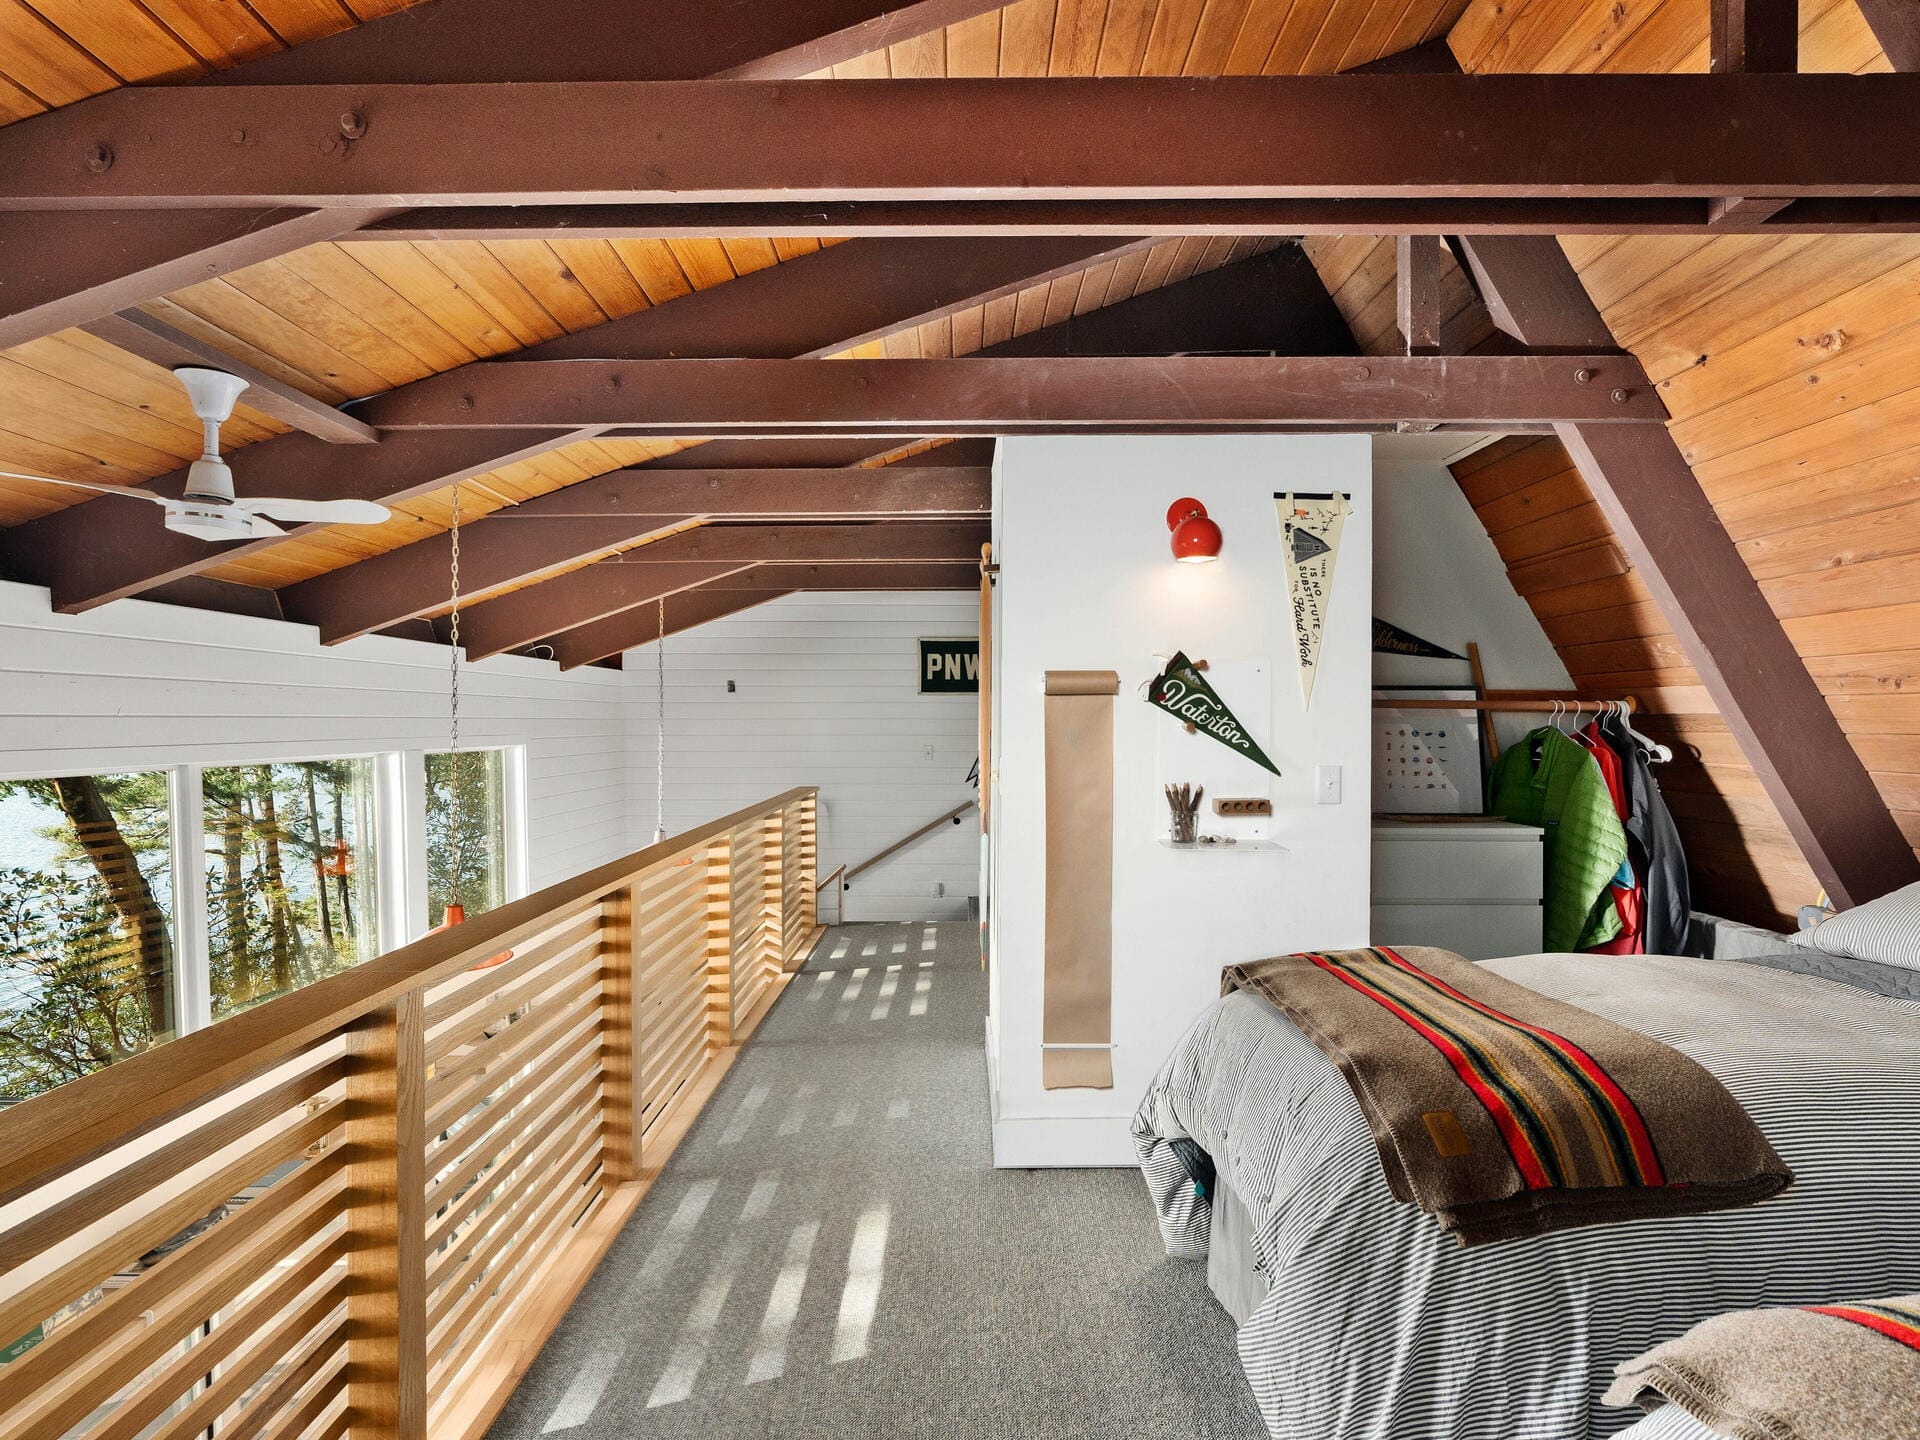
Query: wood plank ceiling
{"x":1788,"y":363}
{"x":344,"y":320}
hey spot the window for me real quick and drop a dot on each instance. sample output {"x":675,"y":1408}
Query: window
{"x":290,"y":876}
{"x":466,"y":831}
{"x":86,"y":926}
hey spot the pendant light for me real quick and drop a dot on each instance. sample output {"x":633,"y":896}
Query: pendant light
{"x":455,"y":912}
{"x":660,"y":728}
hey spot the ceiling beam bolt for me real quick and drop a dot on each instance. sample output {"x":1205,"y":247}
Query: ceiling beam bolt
{"x":1621,"y":395}
{"x":465,"y":402}
{"x":353,"y":125}
{"x":1583,"y":376}
{"x":100,"y":158}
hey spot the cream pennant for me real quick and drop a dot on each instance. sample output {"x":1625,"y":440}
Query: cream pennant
{"x":1310,"y":534}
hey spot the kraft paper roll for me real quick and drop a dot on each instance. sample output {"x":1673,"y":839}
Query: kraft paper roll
{"x":1077,"y":1006}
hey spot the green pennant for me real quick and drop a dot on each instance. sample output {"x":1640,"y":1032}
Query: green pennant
{"x":1183,"y":692}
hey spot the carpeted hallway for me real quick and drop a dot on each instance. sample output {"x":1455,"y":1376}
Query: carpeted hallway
{"x":829,"y":1255}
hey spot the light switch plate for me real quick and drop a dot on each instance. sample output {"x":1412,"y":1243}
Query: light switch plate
{"x":1326,"y":784}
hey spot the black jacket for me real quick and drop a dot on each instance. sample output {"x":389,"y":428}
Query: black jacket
{"x":1653,"y":845}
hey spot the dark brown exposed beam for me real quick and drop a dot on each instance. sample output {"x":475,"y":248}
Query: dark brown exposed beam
{"x":1896,"y":25}
{"x":1671,"y":532}
{"x":55,"y":273}
{"x":89,"y":554}
{"x":1267,"y":301}
{"x":583,"y":596}
{"x":1483,"y":215}
{"x":1417,"y":276}
{"x":551,"y":530}
{"x":141,"y":334}
{"x":58,"y":270}
{"x":638,"y":578}
{"x":739,"y":591}
{"x":1754,"y":36}
{"x":1453,"y":136}
{"x":1047,"y":395}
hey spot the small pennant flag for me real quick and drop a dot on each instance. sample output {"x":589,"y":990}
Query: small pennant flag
{"x":1390,"y":639}
{"x":1184,"y":693}
{"x":1310,"y":528}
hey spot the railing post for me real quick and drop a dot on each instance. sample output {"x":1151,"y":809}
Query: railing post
{"x":773,"y":893}
{"x":810,"y":860}
{"x":386,"y":1142}
{"x":619,"y":1039}
{"x":720,"y":943}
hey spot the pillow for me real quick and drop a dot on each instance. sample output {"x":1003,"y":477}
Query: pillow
{"x":1886,"y":930}
{"x":1830,"y":1372}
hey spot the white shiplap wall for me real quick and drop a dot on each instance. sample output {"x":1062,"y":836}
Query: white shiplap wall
{"x":826,"y":694}
{"x":135,"y":685}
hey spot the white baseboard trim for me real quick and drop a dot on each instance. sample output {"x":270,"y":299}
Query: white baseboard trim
{"x":1063,"y":1142}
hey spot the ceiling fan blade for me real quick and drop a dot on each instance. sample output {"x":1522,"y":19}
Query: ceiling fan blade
{"x":128,"y":491}
{"x":325,"y":512}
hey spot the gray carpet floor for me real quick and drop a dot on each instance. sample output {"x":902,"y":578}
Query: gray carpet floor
{"x":830,"y":1254}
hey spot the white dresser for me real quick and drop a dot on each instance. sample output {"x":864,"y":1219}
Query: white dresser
{"x":1468,"y":886}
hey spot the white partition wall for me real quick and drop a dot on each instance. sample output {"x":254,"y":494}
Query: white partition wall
{"x":1087,"y":582}
{"x":822,"y":688}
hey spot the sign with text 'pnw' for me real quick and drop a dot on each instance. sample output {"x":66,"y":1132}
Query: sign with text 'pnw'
{"x":949,"y":667}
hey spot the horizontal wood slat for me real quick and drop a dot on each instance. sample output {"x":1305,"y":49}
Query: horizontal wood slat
{"x":366,"y":1194}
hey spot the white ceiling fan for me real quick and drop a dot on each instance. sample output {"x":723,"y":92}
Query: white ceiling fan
{"x":208,"y":510}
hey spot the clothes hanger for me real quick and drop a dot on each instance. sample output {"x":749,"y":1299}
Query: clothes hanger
{"x":1656,"y":752}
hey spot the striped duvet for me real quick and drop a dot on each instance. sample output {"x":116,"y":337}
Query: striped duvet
{"x":1377,"y":1326}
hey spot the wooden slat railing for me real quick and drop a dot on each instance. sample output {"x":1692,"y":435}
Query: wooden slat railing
{"x":358,"y":1209}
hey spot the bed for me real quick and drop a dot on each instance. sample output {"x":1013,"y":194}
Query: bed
{"x":1360,"y":1320}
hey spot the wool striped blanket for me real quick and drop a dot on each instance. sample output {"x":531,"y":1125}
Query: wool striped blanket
{"x":1505,"y":1113}
{"x":1813,"y":1372}
{"x":1360,"y":1332}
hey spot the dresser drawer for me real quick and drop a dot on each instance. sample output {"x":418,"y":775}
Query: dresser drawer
{"x":1457,"y":868}
{"x":1479,"y":930}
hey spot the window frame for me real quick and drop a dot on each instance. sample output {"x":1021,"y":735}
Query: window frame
{"x":398,"y":838}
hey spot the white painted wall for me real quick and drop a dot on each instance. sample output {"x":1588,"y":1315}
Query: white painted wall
{"x":826,"y":693}
{"x":133,"y":685}
{"x":1086,"y":582}
{"x":1437,"y":574}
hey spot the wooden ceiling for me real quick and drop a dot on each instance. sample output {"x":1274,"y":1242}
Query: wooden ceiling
{"x":1787,"y":361}
{"x":344,"y":320}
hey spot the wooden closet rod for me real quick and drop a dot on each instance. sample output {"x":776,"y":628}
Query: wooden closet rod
{"x":1522,"y":704}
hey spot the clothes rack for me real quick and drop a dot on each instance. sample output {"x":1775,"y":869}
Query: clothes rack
{"x":1515,"y":703}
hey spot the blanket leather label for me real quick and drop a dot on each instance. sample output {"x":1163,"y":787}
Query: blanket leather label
{"x":1448,"y":1136}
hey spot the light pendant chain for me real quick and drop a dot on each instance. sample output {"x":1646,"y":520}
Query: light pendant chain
{"x":453,"y":718}
{"x":660,"y":731}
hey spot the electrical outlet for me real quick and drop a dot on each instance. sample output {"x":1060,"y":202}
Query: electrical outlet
{"x":1326,"y":784}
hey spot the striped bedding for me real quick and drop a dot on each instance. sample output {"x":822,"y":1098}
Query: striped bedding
{"x":1376,"y":1326}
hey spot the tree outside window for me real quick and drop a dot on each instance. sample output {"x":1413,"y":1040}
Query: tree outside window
{"x":290,"y":876}
{"x":466,"y":831}
{"x":86,"y":926}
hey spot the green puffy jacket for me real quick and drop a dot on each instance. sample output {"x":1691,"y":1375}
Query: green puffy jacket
{"x":1563,"y":791}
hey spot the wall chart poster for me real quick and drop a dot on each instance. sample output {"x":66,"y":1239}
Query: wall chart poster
{"x":1426,"y":762}
{"x":1310,"y":534}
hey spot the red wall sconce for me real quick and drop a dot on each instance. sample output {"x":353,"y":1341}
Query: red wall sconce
{"x":1196,"y":539}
